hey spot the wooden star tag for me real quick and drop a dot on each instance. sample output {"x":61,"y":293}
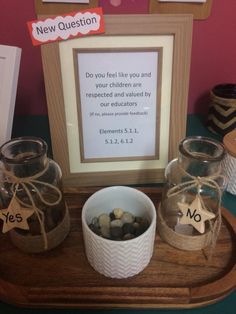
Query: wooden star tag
{"x":15,"y":216}
{"x":194,"y":214}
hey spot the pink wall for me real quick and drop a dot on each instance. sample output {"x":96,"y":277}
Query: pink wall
{"x":13,"y":31}
{"x":213,"y":51}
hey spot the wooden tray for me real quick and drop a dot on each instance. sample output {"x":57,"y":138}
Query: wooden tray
{"x":63,"y":278}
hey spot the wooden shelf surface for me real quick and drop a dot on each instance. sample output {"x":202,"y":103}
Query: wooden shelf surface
{"x":63,"y":278}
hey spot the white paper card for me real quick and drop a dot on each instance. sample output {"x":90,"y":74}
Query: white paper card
{"x":118,"y":102}
{"x":68,"y":1}
{"x":197,"y":1}
{"x":9,"y":71}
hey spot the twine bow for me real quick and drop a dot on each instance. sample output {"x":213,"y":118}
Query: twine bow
{"x":198,"y":182}
{"x":29,"y":185}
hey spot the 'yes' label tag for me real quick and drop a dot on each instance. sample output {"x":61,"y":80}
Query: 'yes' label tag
{"x":15,"y":216}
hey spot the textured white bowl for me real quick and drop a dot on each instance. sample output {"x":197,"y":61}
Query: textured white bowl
{"x":119,"y":259}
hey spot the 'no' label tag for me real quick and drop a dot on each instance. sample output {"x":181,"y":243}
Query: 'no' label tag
{"x":67,"y":26}
{"x":194,"y":214}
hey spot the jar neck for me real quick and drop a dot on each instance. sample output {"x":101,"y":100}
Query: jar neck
{"x":201,"y":156}
{"x":24,"y":157}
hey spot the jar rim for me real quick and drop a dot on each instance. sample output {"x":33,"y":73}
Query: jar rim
{"x":22,"y":158}
{"x":227,"y":90}
{"x":202,"y":156}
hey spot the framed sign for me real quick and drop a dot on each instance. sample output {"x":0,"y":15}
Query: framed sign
{"x":9,"y":71}
{"x":117,"y":103}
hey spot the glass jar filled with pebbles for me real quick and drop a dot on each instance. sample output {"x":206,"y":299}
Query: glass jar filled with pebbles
{"x":31,"y":196}
{"x":119,"y":225}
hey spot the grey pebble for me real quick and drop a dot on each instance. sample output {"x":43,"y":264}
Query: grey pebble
{"x":95,"y":222}
{"x":127,"y":218}
{"x":128,"y":228}
{"x":116,"y":232}
{"x":128,"y":236}
{"x":105,"y":232}
{"x":116,"y":223}
{"x":112,"y":216}
{"x":95,"y":229}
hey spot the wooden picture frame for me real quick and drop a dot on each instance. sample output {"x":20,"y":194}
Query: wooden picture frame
{"x":200,"y":11}
{"x":9,"y":71}
{"x":173,"y":33}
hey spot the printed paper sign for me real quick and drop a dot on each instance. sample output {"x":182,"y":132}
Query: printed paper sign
{"x":68,"y":1}
{"x":67,"y":26}
{"x":118,"y":94}
{"x":197,"y":1}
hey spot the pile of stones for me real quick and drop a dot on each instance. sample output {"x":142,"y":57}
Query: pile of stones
{"x":119,"y":225}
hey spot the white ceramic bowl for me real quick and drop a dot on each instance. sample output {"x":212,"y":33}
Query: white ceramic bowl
{"x":119,"y":259}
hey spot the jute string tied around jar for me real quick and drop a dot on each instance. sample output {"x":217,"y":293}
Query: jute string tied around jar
{"x":28,"y":184}
{"x":198,"y":242}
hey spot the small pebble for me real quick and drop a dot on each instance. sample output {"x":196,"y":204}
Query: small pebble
{"x":116,"y":223}
{"x":118,"y":212}
{"x":116,"y":232}
{"x":104,"y":220}
{"x":112,"y":216}
{"x":127,"y":218}
{"x":138,"y":219}
{"x":144,"y":224}
{"x":105,"y":232}
{"x":136,"y":225}
{"x":95,"y":229}
{"x":138,"y":232}
{"x":126,"y":227}
{"x":128,"y":236}
{"x":95,"y":222}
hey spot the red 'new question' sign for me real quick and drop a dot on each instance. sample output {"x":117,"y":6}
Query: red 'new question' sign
{"x":67,"y":26}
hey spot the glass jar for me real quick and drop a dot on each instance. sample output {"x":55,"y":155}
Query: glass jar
{"x":34,"y":182}
{"x":195,"y":173}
